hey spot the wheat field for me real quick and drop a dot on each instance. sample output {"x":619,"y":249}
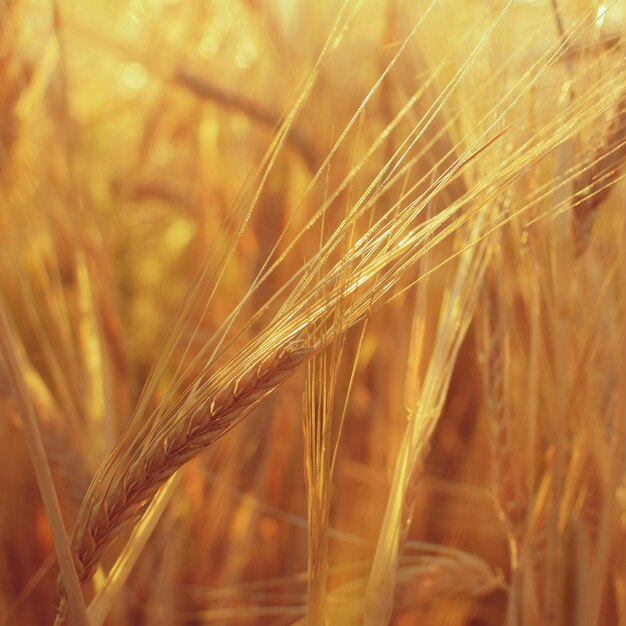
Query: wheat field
{"x":313,"y":312}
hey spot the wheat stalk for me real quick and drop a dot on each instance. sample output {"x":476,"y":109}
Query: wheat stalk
{"x":190,"y":435}
{"x":42,"y":471}
{"x":509,"y":490}
{"x":423,"y":579}
{"x":439,"y":573}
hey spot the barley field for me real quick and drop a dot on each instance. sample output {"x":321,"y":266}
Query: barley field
{"x":312,"y":312}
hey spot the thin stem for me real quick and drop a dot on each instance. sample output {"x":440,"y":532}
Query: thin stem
{"x":42,"y":472}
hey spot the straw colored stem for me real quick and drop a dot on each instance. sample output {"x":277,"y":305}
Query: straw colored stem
{"x":205,"y":90}
{"x":44,"y":476}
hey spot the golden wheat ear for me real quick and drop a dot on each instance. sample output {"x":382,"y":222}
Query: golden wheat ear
{"x":194,"y":432}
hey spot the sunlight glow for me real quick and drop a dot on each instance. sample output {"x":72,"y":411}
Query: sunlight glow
{"x":600,"y":15}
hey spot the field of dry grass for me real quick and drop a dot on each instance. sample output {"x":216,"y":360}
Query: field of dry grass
{"x":312,"y":312}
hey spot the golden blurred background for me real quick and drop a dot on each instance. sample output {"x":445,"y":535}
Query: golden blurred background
{"x":151,"y":149}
